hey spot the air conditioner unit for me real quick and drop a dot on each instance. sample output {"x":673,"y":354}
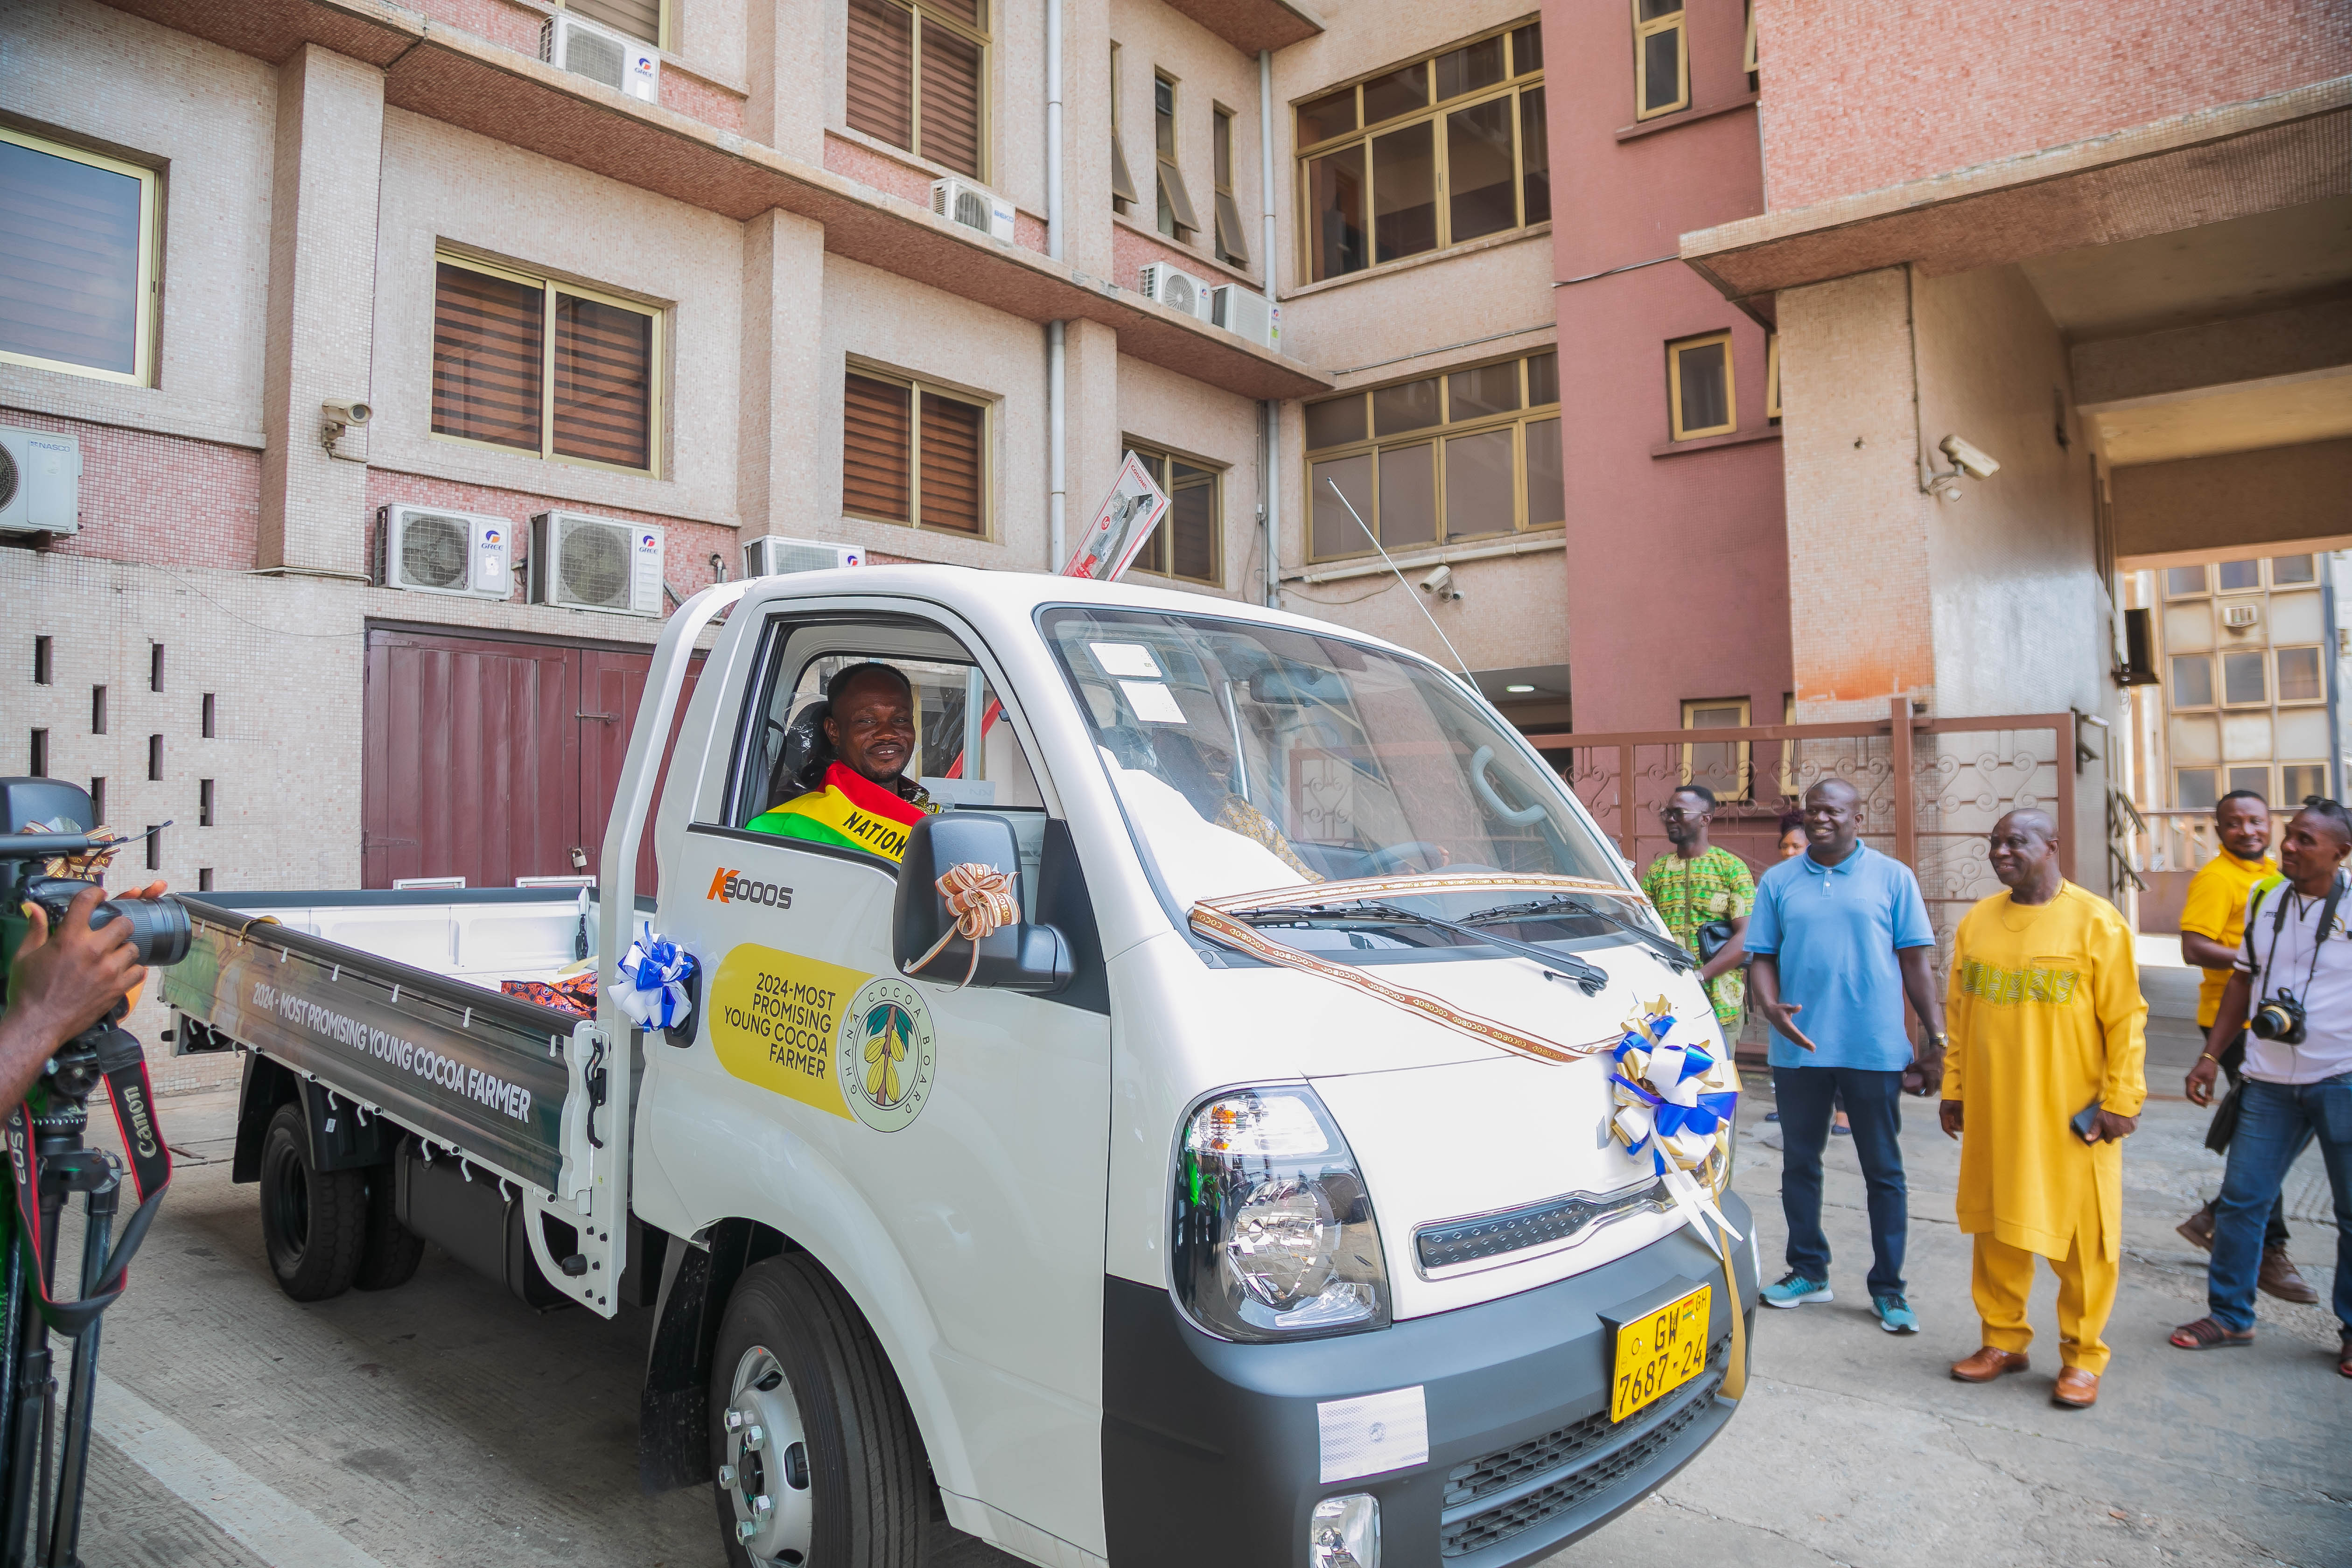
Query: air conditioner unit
{"x":2239,"y":618}
{"x":584,"y":563}
{"x":1247,"y":315}
{"x":600,"y":54}
{"x":428,"y":550}
{"x":1176,"y":290}
{"x":772,"y":556}
{"x":960,"y":201}
{"x":40,"y":482}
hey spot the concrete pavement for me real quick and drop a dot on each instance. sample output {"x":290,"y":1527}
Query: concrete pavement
{"x":444,"y":1422}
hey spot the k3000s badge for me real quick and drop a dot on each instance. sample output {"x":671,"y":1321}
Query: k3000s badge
{"x":887,"y":1056}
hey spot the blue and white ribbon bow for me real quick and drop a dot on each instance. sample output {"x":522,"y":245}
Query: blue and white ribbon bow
{"x":1675,"y":1102}
{"x":655,"y":971}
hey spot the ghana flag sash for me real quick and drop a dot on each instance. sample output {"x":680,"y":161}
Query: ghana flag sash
{"x":851,"y":812}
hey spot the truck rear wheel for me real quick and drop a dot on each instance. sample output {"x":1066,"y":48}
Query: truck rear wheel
{"x":815,"y":1452}
{"x":313,"y":1221}
{"x":389,"y":1251}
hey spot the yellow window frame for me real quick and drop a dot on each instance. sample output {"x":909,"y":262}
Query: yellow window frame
{"x":1122,"y":178}
{"x":143,"y":324}
{"x":1674,"y":22}
{"x":1158,"y":460}
{"x":2278,"y":690}
{"x":1748,"y":52}
{"x":921,"y":388}
{"x":1743,"y":763}
{"x":925,"y":16}
{"x":1675,"y":351}
{"x":548,"y":287}
{"x":1772,"y":377}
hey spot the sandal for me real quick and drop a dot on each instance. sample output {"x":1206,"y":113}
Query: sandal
{"x":2205,"y":1334}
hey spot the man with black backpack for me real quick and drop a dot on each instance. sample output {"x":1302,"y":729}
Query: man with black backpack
{"x":2292,"y":991}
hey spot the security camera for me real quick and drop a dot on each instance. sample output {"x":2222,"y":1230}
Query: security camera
{"x":347,"y":414}
{"x":1441,"y":582}
{"x":1973,"y":462}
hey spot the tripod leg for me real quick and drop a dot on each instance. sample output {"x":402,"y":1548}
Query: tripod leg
{"x":33,"y":1390}
{"x":73,"y":1465}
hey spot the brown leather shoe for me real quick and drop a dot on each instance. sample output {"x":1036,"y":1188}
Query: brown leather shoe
{"x":1987,"y":1364}
{"x":2279,"y":1279}
{"x":2198,"y":1229}
{"x":2076,"y":1390}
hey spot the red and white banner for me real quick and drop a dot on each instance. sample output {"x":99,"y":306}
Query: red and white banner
{"x":1121,"y":524}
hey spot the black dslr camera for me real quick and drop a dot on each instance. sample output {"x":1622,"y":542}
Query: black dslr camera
{"x":2279,"y":1018}
{"x":158,"y":926}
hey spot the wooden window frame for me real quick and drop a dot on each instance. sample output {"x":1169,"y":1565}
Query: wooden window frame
{"x":1445,"y":430}
{"x":920,"y":388}
{"x":1745,"y":752}
{"x":1772,"y":377}
{"x":1221,"y":140}
{"x":2278,"y":692}
{"x":1123,"y":195}
{"x":1515,"y":82}
{"x":923,"y":16}
{"x":658,"y":350}
{"x":1677,"y":23}
{"x":660,"y":40}
{"x":1163,"y":545}
{"x":1168,"y":169}
{"x":1675,"y":351}
{"x":151,"y":218}
{"x":1748,"y":61}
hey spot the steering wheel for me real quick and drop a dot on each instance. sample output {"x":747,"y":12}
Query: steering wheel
{"x":1393,"y":857}
{"x":1493,"y":802}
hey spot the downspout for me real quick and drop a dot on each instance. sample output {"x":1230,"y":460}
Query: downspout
{"x":1057,"y":337}
{"x":1270,"y":410}
{"x":2334,"y":783}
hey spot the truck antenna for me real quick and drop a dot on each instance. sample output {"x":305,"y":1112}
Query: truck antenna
{"x":1448,"y":641}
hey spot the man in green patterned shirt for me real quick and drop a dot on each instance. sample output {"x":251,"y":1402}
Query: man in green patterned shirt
{"x":1697,"y":885}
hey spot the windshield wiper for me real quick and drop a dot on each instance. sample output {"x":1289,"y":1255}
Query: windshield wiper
{"x":1589,"y":978}
{"x":1670,"y":953}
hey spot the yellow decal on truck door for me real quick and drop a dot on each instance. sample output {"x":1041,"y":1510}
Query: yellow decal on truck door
{"x":775,"y":1021}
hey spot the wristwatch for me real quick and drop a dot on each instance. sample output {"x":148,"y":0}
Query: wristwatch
{"x":1939,"y":1040}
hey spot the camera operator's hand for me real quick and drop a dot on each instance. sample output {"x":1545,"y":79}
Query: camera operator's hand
{"x":59,"y":984}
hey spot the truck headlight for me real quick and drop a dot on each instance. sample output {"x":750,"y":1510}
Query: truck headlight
{"x":1273,"y":1236}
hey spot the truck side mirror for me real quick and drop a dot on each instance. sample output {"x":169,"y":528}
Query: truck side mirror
{"x":1017,"y":957}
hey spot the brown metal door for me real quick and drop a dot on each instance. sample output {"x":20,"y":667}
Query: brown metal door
{"x":612,"y":684}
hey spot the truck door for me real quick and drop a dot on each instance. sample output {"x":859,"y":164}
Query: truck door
{"x":944,"y":1152}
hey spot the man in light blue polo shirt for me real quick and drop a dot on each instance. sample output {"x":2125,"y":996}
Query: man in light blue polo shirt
{"x":1839,"y":936}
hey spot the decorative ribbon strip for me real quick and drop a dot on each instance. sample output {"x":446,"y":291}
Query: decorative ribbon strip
{"x":1375,"y":887}
{"x":653,"y":972}
{"x":1670,"y":1103}
{"x":981,"y":898}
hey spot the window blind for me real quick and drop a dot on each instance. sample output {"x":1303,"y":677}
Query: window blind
{"x":68,"y":260}
{"x":487,"y":355}
{"x":952,"y":464}
{"x":874,"y":447}
{"x":637,"y":18}
{"x":604,"y":381}
{"x":881,"y":77}
{"x":952,"y":94}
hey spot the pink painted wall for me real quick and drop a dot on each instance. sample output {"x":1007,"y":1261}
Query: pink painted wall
{"x":159,"y":500}
{"x":1859,"y":98}
{"x":1675,"y":577}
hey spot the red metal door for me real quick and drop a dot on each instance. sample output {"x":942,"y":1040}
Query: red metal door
{"x":612,"y":684}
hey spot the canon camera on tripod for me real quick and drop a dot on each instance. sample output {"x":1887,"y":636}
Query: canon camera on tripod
{"x":51,"y":851}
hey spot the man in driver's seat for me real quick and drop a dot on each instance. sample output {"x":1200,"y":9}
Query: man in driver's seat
{"x":864,"y":800}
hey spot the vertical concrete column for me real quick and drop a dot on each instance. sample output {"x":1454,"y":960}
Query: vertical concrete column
{"x":1859,"y":626}
{"x":1093,"y":426}
{"x":784,"y":487}
{"x":1085,"y":140}
{"x":328,"y":163}
{"x":784,"y":37}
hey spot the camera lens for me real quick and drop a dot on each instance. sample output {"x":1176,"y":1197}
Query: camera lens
{"x":158,"y":926}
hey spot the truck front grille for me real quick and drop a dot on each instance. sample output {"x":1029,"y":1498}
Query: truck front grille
{"x":1480,"y":1237}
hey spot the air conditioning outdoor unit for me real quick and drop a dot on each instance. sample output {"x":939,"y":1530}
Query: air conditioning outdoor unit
{"x":40,"y":482}
{"x":1176,"y":290}
{"x":584,"y":563}
{"x":772,"y":556}
{"x":620,"y":62}
{"x":1247,"y":315}
{"x":960,"y":201}
{"x":428,"y":550}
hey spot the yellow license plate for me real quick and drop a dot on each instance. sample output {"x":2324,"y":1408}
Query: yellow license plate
{"x":1659,"y":1352}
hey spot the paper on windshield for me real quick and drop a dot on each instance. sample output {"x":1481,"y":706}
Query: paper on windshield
{"x":1152,"y":701}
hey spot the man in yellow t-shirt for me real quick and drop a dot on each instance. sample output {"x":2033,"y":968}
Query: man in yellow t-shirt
{"x":2047,"y":1026}
{"x":2212,"y":924}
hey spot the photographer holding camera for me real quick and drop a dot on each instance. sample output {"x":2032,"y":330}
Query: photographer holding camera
{"x":59,"y":984}
{"x":2293,"y":992}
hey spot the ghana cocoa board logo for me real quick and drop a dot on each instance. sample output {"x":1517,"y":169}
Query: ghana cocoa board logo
{"x":887,"y":1056}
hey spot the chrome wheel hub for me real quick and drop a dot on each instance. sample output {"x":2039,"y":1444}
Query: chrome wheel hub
{"x":765,"y":1476}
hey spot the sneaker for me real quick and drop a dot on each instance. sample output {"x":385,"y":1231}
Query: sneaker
{"x":1895,"y":1314}
{"x":1772,"y":1116}
{"x":1793,"y":1290}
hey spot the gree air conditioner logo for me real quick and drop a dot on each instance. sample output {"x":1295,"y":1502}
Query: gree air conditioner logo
{"x":734,"y":887}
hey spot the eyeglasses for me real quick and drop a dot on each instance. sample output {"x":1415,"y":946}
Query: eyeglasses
{"x":1676,"y":813}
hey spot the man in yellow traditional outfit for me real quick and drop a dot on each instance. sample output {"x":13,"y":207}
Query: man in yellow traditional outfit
{"x":2042,"y":1081}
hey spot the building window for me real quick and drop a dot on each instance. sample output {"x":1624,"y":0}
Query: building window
{"x":2304,"y":780}
{"x":1122,"y":182}
{"x":2183,"y":582}
{"x":2287,"y":571}
{"x":1772,"y":377}
{"x":2193,"y":681}
{"x":203,"y":802}
{"x":2256,"y":779}
{"x":77,"y":271}
{"x":918,"y":77}
{"x":552,"y":370}
{"x":1720,"y":765}
{"x":1473,"y":453}
{"x":1698,"y":386}
{"x":1187,"y":544}
{"x":1437,"y":152}
{"x":42,"y":661}
{"x":2236,"y":576}
{"x":2244,"y":682}
{"x":36,"y":761}
{"x":1232,"y":242}
{"x":1661,"y":58}
{"x":2195,"y":789}
{"x":637,"y":18}
{"x":1748,"y":61}
{"x":913,"y":454}
{"x":1177,"y":220}
{"x":2299,"y":680}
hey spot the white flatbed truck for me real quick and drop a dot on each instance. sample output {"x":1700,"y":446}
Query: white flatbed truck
{"x":1265,"y":1199}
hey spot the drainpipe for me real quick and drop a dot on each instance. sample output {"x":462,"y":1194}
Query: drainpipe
{"x":1270,"y":410}
{"x":1056,"y":344}
{"x":2330,"y":658}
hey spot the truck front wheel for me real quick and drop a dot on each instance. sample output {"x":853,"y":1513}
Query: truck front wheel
{"x":313,"y":1221}
{"x":815,"y":1452}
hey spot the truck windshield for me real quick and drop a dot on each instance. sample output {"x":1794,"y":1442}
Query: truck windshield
{"x":1251,"y":758}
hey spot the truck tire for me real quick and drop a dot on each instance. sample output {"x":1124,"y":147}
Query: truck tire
{"x":389,"y":1251}
{"x":313,"y":1221}
{"x":834,"y":1453}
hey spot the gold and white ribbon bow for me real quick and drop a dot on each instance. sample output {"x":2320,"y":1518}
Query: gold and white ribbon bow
{"x":981,"y":898}
{"x":1675,"y":1102}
